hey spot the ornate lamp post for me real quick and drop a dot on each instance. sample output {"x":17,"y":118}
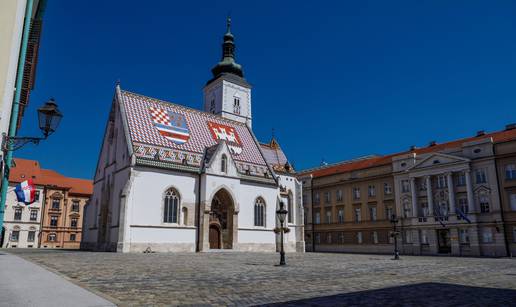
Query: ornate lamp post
{"x":395,"y":233}
{"x":49,"y":118}
{"x":282,"y":214}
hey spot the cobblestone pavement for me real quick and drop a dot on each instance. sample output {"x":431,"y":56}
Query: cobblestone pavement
{"x":235,"y":278}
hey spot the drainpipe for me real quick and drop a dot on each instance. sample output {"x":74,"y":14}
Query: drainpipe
{"x":8,"y":155}
{"x":198,"y":247}
{"x":500,"y":200}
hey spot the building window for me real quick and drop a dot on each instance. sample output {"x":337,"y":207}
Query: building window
{"x":171,"y":208}
{"x":17,"y":214}
{"x":328,"y":238}
{"x":359,"y":237}
{"x":422,"y":184}
{"x":388,"y":213}
{"x":341,"y":216}
{"x":328,"y":216}
{"x":53,"y":220}
{"x":51,"y":237}
{"x":463,"y":206}
{"x":341,"y":237}
{"x":316,"y":198}
{"x":487,"y":235}
{"x":290,"y":208}
{"x":484,"y":203}
{"x":56,"y":203}
{"x":73,"y":237}
{"x":408,"y":237}
{"x":423,"y":236}
{"x":387,"y":188}
{"x":514,"y":234}
{"x":356,"y":193}
{"x":184,"y":213}
{"x":31,"y":236}
{"x":36,"y":196}
{"x":424,"y":209}
{"x":259,"y":212}
{"x":339,"y":195}
{"x":327,"y":197}
{"x":33,"y":215}
{"x":357,"y":215}
{"x":75,"y":206}
{"x":15,"y":235}
{"x":406,"y":208}
{"x":441,"y":181}
{"x":224,"y":164}
{"x":512,"y":200}
{"x":480,"y":176}
{"x":461,"y":179}
{"x":510,"y":172}
{"x":236,"y":105}
{"x":405,"y":186}
{"x":317,"y":217}
{"x":372,"y":213}
{"x":463,"y":236}
{"x":317,"y":238}
{"x":371,"y":191}
{"x":73,"y":222}
{"x":212,"y":106}
{"x":375,"y":237}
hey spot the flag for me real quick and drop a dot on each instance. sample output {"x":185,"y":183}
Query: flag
{"x":170,"y":125}
{"x":438,"y":216}
{"x":462,"y":215}
{"x":25,"y":192}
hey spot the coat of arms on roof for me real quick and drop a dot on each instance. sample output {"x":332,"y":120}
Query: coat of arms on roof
{"x":228,"y":134}
{"x":170,"y":125}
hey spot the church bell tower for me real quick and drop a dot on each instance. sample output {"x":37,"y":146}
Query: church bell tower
{"x":228,"y":94}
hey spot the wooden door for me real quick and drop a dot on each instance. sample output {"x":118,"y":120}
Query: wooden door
{"x":214,"y":237}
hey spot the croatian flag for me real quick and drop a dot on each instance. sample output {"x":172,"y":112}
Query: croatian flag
{"x":25,"y":192}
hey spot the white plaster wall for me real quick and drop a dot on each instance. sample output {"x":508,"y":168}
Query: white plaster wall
{"x":25,"y":224}
{"x":145,"y":206}
{"x":224,"y":93}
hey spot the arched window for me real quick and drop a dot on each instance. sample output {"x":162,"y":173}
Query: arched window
{"x":236,"y":105}
{"x":184,"y":211}
{"x":259,"y":212}
{"x":224,"y":163}
{"x":171,"y":208}
{"x":290,"y":208}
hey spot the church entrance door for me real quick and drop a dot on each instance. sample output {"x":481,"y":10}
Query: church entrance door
{"x":221,"y":221}
{"x":214,"y":237}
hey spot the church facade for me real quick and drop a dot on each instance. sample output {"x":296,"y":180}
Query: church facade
{"x":171,"y":178}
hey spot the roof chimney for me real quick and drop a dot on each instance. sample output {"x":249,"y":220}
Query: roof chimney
{"x":481,"y":133}
{"x":432,"y":143}
{"x":510,"y":126}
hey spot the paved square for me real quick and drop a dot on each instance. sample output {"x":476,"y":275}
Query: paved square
{"x":235,"y":278}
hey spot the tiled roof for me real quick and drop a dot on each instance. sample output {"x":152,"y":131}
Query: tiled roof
{"x":148,"y":140}
{"x":26,"y":169}
{"x":275,"y":157}
{"x":498,"y":137}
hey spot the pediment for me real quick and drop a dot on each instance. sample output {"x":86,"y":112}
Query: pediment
{"x":437,"y":159}
{"x":213,"y":160}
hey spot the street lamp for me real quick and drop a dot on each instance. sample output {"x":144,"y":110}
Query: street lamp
{"x":394,"y":221}
{"x":49,"y":118}
{"x":282,"y":214}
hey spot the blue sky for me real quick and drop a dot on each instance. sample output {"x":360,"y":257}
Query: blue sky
{"x":336,"y":80}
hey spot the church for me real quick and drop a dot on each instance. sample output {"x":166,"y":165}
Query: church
{"x":175,"y":179}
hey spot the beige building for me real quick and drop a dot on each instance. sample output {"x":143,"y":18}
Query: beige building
{"x":55,"y":219}
{"x":448,"y":199}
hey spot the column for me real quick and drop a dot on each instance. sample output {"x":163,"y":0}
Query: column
{"x":429,"y":195}
{"x":469,"y":190}
{"x":414,"y":196}
{"x":451,"y":193}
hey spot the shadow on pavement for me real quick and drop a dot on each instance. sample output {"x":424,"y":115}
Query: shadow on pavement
{"x":424,"y":294}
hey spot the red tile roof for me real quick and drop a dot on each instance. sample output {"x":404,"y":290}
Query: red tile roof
{"x":498,"y":137}
{"x":24,"y":169}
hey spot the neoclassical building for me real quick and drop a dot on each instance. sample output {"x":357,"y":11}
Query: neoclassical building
{"x":457,"y":198}
{"x":172,"y":178}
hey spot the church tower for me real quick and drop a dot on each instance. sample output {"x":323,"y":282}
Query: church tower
{"x":228,"y":94}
